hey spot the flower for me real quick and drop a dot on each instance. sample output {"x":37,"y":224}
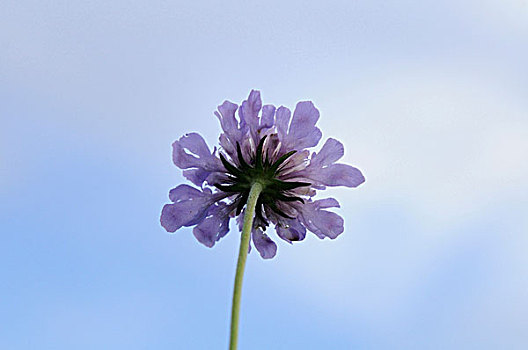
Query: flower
{"x":273,"y":149}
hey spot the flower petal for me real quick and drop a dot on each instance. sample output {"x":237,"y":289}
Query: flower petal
{"x":268,"y":116}
{"x":213,"y":227}
{"x":291,"y":230}
{"x":282,"y":120}
{"x":264,"y":245}
{"x":249,"y":110}
{"x":185,"y":192}
{"x":321,"y":171}
{"x":226,"y":116}
{"x":327,"y":203}
{"x":196,"y":175}
{"x":233,"y":133}
{"x":189,"y":208}
{"x":191,"y":151}
{"x":321,"y":222}
{"x":331,"y":152}
{"x":302,"y":132}
{"x":339,"y":175}
{"x":228,"y":145}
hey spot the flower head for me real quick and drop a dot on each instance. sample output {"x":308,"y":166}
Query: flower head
{"x":272,"y":149}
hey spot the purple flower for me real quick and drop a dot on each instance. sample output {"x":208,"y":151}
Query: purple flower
{"x":273,"y":149}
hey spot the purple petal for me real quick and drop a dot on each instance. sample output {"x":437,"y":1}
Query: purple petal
{"x":264,"y":245}
{"x":233,"y":133}
{"x":339,"y":175}
{"x":294,"y":231}
{"x":303,"y":133}
{"x":213,"y":227}
{"x":191,"y":151}
{"x":331,"y":152}
{"x":196,"y":176}
{"x":292,"y":163}
{"x":185,"y":192}
{"x":323,"y":172}
{"x":189,"y":208}
{"x":249,"y":110}
{"x":272,"y":146}
{"x":268,"y":116}
{"x":228,"y":144}
{"x":216,"y":178}
{"x":326,"y":203}
{"x":240,"y":219}
{"x":282,"y":117}
{"x":321,"y":222}
{"x":227,"y":116}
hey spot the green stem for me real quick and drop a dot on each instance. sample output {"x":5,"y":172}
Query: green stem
{"x":249,"y":214}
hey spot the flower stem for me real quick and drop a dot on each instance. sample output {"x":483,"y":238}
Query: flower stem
{"x":249,"y":214}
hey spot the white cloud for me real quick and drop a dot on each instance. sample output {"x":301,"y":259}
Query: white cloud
{"x":446,"y":145}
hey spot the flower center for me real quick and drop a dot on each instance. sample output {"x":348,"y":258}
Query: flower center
{"x":262,"y":170}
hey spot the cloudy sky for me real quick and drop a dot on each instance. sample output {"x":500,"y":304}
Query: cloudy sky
{"x":429,"y":99}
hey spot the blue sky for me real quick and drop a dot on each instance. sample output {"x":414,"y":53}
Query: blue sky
{"x":428,"y":98}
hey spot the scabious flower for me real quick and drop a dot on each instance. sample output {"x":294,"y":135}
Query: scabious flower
{"x":268,"y":145}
